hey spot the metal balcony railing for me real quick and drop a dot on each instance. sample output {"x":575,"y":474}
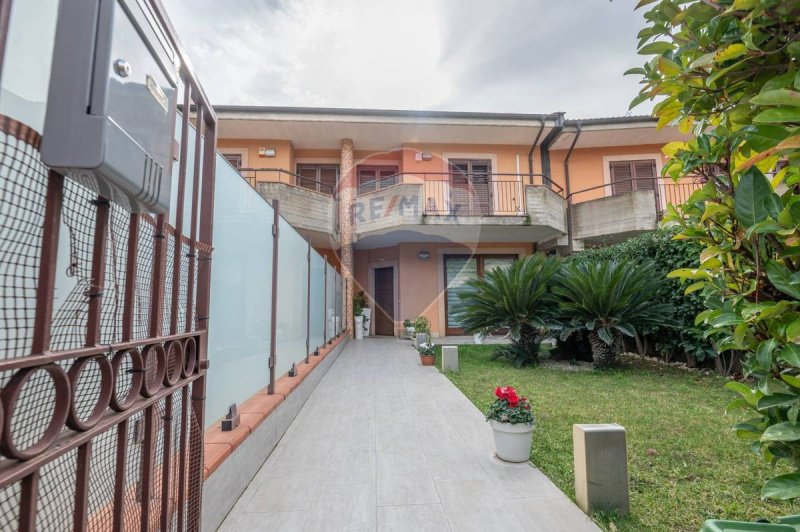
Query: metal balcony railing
{"x":466,"y":194}
{"x":279,"y":175}
{"x":665,"y":191}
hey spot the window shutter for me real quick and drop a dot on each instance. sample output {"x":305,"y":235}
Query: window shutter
{"x":388,"y":177}
{"x":366,"y":180}
{"x":644,"y":172}
{"x":328,"y":178}
{"x":307,"y":177}
{"x":621,"y":177}
{"x":234,"y":158}
{"x":480,"y":188}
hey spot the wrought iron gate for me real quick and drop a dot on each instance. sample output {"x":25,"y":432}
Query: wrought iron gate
{"x":101,"y":407}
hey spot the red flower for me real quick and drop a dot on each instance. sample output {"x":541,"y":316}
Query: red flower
{"x":512,"y":399}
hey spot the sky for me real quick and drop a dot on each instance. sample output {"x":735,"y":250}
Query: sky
{"x":515,"y":56}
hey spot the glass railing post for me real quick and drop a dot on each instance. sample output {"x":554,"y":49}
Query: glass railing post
{"x":273,"y":327}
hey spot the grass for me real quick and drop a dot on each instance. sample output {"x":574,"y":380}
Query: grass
{"x":684,"y":463}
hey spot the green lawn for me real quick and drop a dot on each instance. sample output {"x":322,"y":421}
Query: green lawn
{"x":684,"y":463}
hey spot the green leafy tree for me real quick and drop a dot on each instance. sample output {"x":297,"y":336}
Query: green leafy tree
{"x":514,"y":298}
{"x":609,"y":299}
{"x":727,"y":70}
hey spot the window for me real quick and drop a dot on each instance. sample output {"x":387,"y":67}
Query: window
{"x":234,"y":158}
{"x":469,"y":186}
{"x":627,"y":176}
{"x":319,"y":177}
{"x":371,"y":178}
{"x":458,"y":270}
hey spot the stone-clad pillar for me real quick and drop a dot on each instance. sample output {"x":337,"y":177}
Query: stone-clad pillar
{"x":346,"y":229}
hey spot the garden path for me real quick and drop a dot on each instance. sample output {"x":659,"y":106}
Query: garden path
{"x":386,"y":444}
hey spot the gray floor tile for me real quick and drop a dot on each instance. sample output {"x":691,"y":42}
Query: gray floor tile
{"x":416,"y":518}
{"x":383,"y":443}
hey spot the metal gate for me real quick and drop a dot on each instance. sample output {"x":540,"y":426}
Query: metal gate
{"x":101,"y":407}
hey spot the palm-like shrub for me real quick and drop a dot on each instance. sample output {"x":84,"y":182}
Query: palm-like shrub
{"x":514,"y":298}
{"x":608,"y":299}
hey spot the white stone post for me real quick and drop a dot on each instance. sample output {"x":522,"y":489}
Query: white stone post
{"x":449,"y":358}
{"x":601,"y":468}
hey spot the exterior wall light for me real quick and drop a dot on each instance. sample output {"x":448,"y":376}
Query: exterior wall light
{"x":266,"y":152}
{"x":424,"y":255}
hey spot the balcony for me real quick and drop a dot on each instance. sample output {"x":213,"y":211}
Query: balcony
{"x":308,"y":205}
{"x":460,"y":208}
{"x":615,"y":211}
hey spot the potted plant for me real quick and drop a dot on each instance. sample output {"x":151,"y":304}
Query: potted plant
{"x":409,"y":328}
{"x":512,"y":422}
{"x":427,"y":354}
{"x":361,"y":299}
{"x":358,"y":319}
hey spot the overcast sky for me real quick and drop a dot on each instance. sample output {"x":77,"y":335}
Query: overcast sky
{"x":522,"y":56}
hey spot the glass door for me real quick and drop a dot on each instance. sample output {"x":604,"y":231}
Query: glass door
{"x":460,"y":269}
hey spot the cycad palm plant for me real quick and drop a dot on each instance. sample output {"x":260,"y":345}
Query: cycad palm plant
{"x":609,"y":299}
{"x":516,"y":298}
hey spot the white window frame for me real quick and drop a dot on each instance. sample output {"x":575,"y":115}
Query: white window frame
{"x":243,"y":152}
{"x":657,"y":157}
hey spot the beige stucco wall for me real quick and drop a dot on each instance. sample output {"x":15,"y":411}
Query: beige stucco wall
{"x":420,"y":282}
{"x":586,"y":167}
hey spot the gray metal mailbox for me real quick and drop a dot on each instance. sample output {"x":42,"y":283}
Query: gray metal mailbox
{"x":110,"y":119}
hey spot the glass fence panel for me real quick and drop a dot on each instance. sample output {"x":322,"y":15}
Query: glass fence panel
{"x":330,"y":311}
{"x":241,"y":280}
{"x":292,"y":298}
{"x":317,"y":301}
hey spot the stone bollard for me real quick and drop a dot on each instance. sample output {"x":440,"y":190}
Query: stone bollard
{"x":421,"y":338}
{"x":601,"y":468}
{"x":449,"y":358}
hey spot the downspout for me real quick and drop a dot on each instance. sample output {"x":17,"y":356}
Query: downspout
{"x":545,"y":150}
{"x":567,"y":187}
{"x":533,"y":147}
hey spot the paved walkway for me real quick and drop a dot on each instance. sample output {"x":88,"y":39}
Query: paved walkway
{"x":386,"y":444}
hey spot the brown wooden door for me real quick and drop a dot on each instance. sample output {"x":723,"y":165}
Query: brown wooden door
{"x":384,"y":301}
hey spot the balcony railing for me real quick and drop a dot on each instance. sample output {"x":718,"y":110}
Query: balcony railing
{"x":279,"y":175}
{"x":467,"y":194}
{"x":665,"y":191}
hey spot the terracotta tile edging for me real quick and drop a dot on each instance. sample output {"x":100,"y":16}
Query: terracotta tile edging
{"x":219,"y":445}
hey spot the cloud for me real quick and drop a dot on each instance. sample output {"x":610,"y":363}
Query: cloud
{"x":472,"y":55}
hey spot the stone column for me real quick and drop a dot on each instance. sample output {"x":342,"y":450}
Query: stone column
{"x":346,"y":193}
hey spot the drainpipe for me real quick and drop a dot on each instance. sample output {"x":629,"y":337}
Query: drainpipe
{"x":566,"y":182}
{"x":533,"y":147}
{"x":545,"y":150}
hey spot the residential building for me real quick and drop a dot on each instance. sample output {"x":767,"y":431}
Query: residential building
{"x":414,"y":204}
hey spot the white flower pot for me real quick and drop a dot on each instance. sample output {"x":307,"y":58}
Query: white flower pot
{"x":359,"y":327}
{"x":477,"y":338}
{"x":367,"y":317}
{"x":512,"y":442}
{"x":410,"y":333}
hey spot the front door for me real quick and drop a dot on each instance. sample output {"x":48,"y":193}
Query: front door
{"x":384,"y":301}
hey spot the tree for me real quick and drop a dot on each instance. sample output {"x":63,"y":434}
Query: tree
{"x":727,"y":70}
{"x":514,"y":298}
{"x":609,"y":299}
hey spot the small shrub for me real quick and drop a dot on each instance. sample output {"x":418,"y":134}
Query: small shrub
{"x":666,"y":254}
{"x":509,"y":407}
{"x":516,"y":298}
{"x":609,"y":299}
